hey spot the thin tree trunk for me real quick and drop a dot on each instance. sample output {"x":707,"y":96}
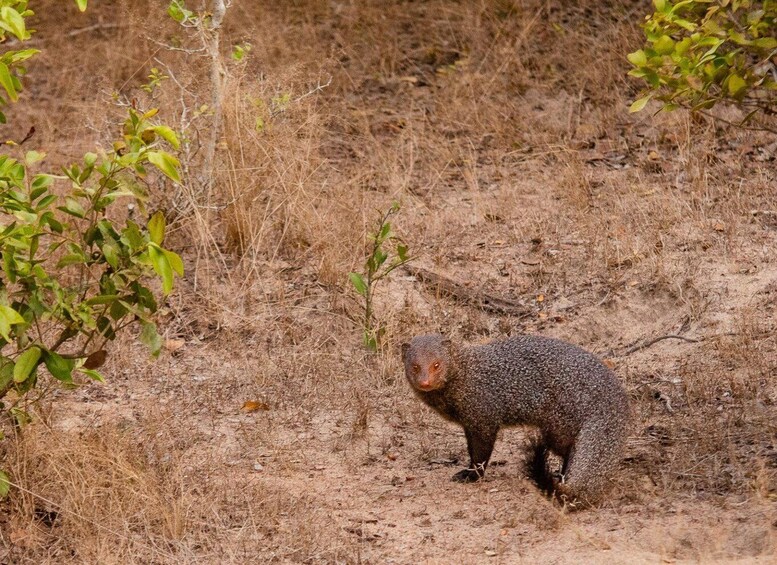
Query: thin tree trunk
{"x":217,"y":85}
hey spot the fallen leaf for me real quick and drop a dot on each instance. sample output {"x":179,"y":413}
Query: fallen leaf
{"x":541,"y":298}
{"x":719,"y":226}
{"x":96,"y":359}
{"x":609,"y":363}
{"x":173,"y":345}
{"x":491,"y":553}
{"x":254,"y":405}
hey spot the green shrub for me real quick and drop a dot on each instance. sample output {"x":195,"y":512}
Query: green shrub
{"x":72,"y":276}
{"x":701,"y":52}
{"x":74,"y":263}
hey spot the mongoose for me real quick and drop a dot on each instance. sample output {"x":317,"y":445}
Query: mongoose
{"x":577,"y":403}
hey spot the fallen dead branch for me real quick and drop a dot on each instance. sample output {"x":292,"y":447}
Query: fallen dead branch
{"x":648,"y":343}
{"x":443,"y":286}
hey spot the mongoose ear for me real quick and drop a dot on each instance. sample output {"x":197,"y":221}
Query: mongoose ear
{"x":405,"y":349}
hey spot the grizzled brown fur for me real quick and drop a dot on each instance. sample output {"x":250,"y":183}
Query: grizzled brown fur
{"x":577,"y":403}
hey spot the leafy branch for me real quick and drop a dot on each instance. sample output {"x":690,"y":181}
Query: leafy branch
{"x":376,"y":269}
{"x":703,"y":52}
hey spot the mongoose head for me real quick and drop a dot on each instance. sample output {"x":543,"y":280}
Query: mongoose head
{"x":428,"y":361}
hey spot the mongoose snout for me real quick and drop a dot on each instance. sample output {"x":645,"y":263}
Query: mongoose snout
{"x":576,"y":402}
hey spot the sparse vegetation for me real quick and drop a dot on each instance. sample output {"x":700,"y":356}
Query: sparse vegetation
{"x":381,"y":261}
{"x":264,"y":431}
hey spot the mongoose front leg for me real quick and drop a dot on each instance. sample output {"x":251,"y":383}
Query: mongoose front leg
{"x":480,"y":444}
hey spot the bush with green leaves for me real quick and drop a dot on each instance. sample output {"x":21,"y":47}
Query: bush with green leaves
{"x":701,"y":52}
{"x":75,"y":262}
{"x":72,"y":273}
{"x":377,"y":266}
{"x":12,"y":61}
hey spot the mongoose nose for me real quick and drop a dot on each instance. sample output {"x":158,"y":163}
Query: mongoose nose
{"x":425,"y":384}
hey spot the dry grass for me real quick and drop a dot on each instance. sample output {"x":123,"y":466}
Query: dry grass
{"x":501,"y":127}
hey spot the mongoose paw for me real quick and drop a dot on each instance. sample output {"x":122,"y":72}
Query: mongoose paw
{"x":468,"y":476}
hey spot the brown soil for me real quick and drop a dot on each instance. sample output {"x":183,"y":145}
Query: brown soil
{"x":502,"y":128}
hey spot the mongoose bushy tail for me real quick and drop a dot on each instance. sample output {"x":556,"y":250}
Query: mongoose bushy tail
{"x":576,"y":402}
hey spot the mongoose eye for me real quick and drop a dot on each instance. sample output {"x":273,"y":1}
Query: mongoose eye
{"x":436,"y":365}
{"x":416,"y":368}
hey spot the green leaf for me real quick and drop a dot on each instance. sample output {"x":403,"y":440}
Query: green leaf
{"x":32,"y":157}
{"x":6,"y":81}
{"x":150,"y":337}
{"x":358,"y":283}
{"x":685,"y":24}
{"x":370,"y":341}
{"x":81,"y":5}
{"x":102,"y":299}
{"x":59,"y":367}
{"x":8,"y":317}
{"x":738,"y":38}
{"x":23,"y":55}
{"x":402,"y":252}
{"x":6,"y":373}
{"x":132,"y":237}
{"x":736,"y":84}
{"x":664,"y":45}
{"x":178,"y":11}
{"x":73,"y":207}
{"x":5,"y":484}
{"x":168,"y":134}
{"x":640,"y":103}
{"x":156,"y":227}
{"x":380,"y":258}
{"x":385,"y":230}
{"x":111,"y":254}
{"x":92,"y":374}
{"x":15,"y":22}
{"x":70,"y":259}
{"x":26,"y":363}
{"x":117,"y":310}
{"x":10,"y":314}
{"x":162,"y":267}
{"x":165,"y":163}
{"x":637,"y":58}
{"x":106,"y":329}
{"x":175,"y":261}
{"x":238,"y":52}
{"x":682,"y":46}
{"x":766,"y":43}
